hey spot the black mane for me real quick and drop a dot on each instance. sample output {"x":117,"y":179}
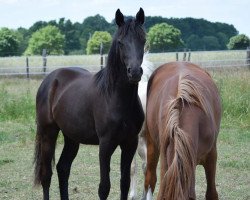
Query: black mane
{"x":106,"y":78}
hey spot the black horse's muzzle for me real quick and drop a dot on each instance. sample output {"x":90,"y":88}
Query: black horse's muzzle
{"x":134,"y":74}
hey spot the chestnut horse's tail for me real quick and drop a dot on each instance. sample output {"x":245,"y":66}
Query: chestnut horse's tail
{"x":178,"y":177}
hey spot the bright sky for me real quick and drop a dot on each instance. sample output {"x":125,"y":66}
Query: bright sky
{"x":16,"y":13}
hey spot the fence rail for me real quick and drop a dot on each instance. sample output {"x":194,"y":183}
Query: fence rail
{"x":21,"y":71}
{"x":216,"y":59}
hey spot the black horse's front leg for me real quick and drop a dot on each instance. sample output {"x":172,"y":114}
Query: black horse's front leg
{"x":106,"y":149}
{"x":69,"y":153}
{"x":128,"y":152}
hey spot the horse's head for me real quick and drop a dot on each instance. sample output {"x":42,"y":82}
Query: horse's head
{"x":131,"y":39}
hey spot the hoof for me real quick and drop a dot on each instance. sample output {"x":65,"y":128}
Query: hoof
{"x":147,"y":195}
{"x":132,"y":196}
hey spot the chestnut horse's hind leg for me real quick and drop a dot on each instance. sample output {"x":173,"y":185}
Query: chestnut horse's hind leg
{"x":210,"y":170}
{"x":69,"y":153}
{"x":152,"y":161}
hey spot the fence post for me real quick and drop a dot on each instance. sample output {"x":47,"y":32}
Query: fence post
{"x":248,"y":57}
{"x":184,"y":55}
{"x":177,"y":57}
{"x":189,"y":55}
{"x":27,"y":68}
{"x":44,"y":54}
{"x":101,"y":53}
{"x":105,"y":60}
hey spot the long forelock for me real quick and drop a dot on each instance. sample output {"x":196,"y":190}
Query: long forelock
{"x":131,"y":25}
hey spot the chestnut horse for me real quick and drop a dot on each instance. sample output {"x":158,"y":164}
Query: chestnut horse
{"x":182,"y":124}
{"x":103,"y":109}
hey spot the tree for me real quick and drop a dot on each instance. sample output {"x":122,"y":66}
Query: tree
{"x":223,"y":40}
{"x":72,"y":35}
{"x":49,"y":38}
{"x":200,"y":27}
{"x":92,"y":24}
{"x":210,"y":43}
{"x":194,"y":42}
{"x":9,"y":42}
{"x":36,"y":26}
{"x":93,"y":45}
{"x":239,"y":42}
{"x":23,"y":37}
{"x":163,"y":37}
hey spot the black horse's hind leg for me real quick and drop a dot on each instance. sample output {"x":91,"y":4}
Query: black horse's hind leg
{"x":128,"y":152}
{"x":106,"y":149}
{"x":69,"y":153}
{"x":48,"y":142}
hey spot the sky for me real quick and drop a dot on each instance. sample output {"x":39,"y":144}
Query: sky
{"x":24,"y":13}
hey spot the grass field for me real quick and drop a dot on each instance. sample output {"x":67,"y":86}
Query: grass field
{"x":17,"y":133}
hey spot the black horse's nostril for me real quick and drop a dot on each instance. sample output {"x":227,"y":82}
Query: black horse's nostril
{"x":141,"y":70}
{"x":129,"y":70}
{"x":134,"y":73}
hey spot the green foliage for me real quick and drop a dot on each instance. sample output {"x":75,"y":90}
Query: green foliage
{"x":36,"y":26}
{"x":23,"y":36}
{"x":210,"y":43}
{"x":194,"y":42}
{"x":93,"y":46}
{"x":9,"y":42}
{"x":72,"y":35}
{"x":77,"y":34}
{"x":239,"y":42}
{"x":222,"y":39}
{"x":92,"y":24}
{"x":49,"y":38}
{"x":198,"y":27}
{"x":163,"y":37}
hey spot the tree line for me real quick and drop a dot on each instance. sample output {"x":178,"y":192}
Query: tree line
{"x":164,"y":34}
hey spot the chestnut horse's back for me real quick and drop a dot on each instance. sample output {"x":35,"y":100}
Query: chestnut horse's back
{"x":182,"y":123}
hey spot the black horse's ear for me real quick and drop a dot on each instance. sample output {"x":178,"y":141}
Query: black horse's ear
{"x":119,"y":18}
{"x":140,"y":17}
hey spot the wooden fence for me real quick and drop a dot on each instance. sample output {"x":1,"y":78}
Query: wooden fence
{"x":204,"y":59}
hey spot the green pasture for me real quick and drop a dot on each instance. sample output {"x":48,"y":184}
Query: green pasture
{"x":17,"y":133}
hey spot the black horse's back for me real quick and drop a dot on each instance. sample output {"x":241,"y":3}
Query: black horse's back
{"x":48,"y":88}
{"x":65,"y":75}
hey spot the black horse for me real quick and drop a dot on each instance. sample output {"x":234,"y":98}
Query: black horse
{"x":95,"y":109}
